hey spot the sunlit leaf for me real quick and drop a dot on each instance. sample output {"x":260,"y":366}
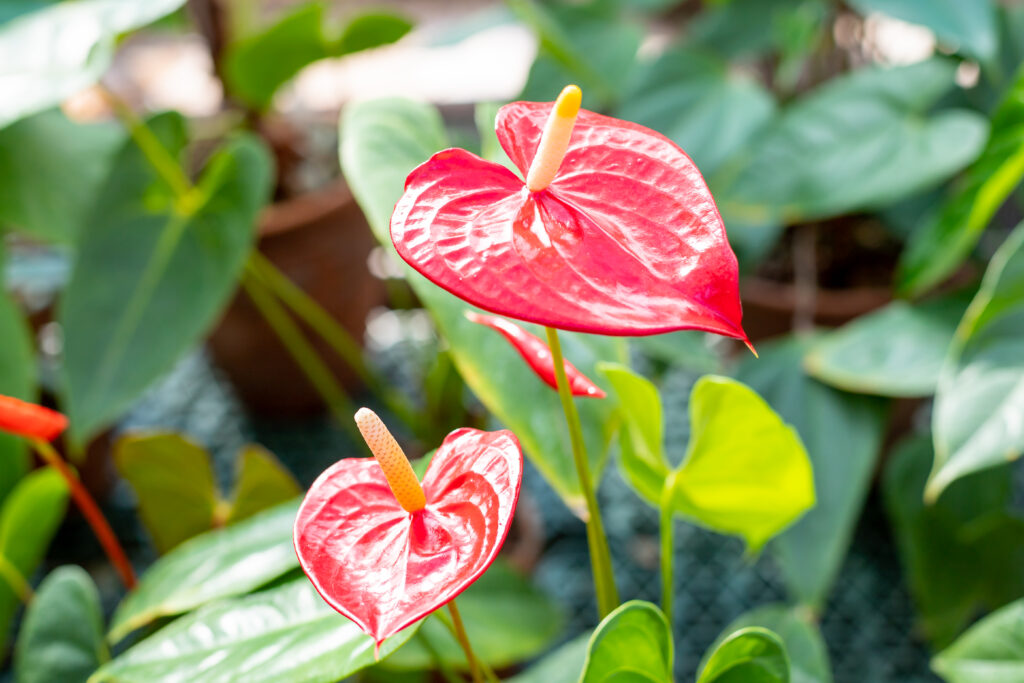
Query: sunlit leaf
{"x":991,"y":651}
{"x":633,"y":642}
{"x":808,"y":656}
{"x":263,"y":482}
{"x":749,"y":655}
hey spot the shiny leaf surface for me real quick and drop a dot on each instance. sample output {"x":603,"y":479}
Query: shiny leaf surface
{"x":633,"y":642}
{"x":808,"y":656}
{"x":217,"y":564}
{"x":286,"y":633}
{"x":750,"y":655}
{"x":384,"y":567}
{"x":991,"y":651}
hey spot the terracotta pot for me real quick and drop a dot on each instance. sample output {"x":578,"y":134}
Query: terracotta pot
{"x":321,"y":241}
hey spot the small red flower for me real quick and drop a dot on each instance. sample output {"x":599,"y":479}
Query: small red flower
{"x":384,"y":551}
{"x":614,"y":231}
{"x":30,"y":420}
{"x":538,"y":356}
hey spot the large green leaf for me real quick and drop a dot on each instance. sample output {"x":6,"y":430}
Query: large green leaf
{"x":263,"y":482}
{"x":381,"y":142}
{"x":50,"y":171}
{"x":979,"y":405}
{"x":748,"y":28}
{"x":642,"y":453}
{"x":968,"y":27}
{"x":561,"y":666}
{"x":842,"y":434}
{"x":633,"y":643}
{"x":64,"y":47}
{"x":862,"y":141}
{"x":18,"y":379}
{"x":61,"y":638}
{"x":941,"y":245}
{"x":694,"y":100}
{"x":177,"y":262}
{"x":750,"y":655}
{"x":808,"y":656}
{"x":508,"y":620}
{"x":29,"y":519}
{"x":964,"y":552}
{"x":287,"y":633}
{"x":991,"y":651}
{"x":217,"y":564}
{"x":173,"y":482}
{"x":745,"y":471}
{"x":895,"y":351}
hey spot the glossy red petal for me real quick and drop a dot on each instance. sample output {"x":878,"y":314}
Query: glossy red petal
{"x":385,"y":568}
{"x":538,"y":356}
{"x":28,"y":419}
{"x":626,"y":240}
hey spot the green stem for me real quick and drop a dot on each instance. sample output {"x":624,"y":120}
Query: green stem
{"x":484,"y":666}
{"x":16,"y":581}
{"x":460,"y":635}
{"x":666,"y":533}
{"x":600,"y":556}
{"x":312,"y":366}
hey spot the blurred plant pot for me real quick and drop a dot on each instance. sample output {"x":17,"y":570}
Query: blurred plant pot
{"x":320,"y":240}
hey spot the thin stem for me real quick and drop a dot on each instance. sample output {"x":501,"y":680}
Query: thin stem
{"x":90,"y":510}
{"x":16,"y":581}
{"x":600,"y":556}
{"x":460,"y":635}
{"x":311,"y":365}
{"x":488,"y":672}
{"x":666,"y":532}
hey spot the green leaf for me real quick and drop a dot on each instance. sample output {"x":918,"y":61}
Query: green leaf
{"x":843,"y":435}
{"x":695,"y":101}
{"x":173,"y":482}
{"x":942,"y":244}
{"x":18,"y":379}
{"x":745,"y":471}
{"x":746,"y":28}
{"x":964,"y":552}
{"x":507,"y":619}
{"x":808,"y":656}
{"x":61,"y":638}
{"x":642,"y":453}
{"x":218,"y":564}
{"x":64,"y":47}
{"x":991,"y":651}
{"x":178,"y":259}
{"x":862,"y":141}
{"x":381,"y":142}
{"x":50,"y":171}
{"x":287,"y":633}
{"x":750,"y":655}
{"x":484,"y":115}
{"x":979,"y":404}
{"x":561,"y":666}
{"x":687,"y":349}
{"x":262,"y":483}
{"x":369,"y":30}
{"x":633,"y":643}
{"x":897,"y":350}
{"x":967,"y":27}
{"x":29,"y":519}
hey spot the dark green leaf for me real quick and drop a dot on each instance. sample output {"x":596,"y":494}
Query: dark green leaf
{"x":369,"y":30}
{"x":633,"y":643}
{"x":941,"y":245}
{"x":862,"y":141}
{"x":842,"y":434}
{"x":29,"y":519}
{"x":217,"y":564}
{"x":18,"y":379}
{"x":895,"y":351}
{"x":50,"y":171}
{"x":979,"y":405}
{"x":967,"y":27}
{"x":177,"y":262}
{"x":745,"y":471}
{"x":750,"y":655}
{"x":507,"y":619}
{"x":262,"y":483}
{"x":173,"y":482}
{"x":808,"y":657}
{"x":746,"y":28}
{"x":561,"y":666}
{"x":287,"y":633}
{"x":991,"y":651}
{"x":61,"y":638}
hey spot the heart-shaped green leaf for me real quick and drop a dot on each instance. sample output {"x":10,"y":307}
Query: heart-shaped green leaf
{"x":287,"y":633}
{"x":749,"y":655}
{"x":991,"y":651}
{"x":632,"y":643}
{"x":808,"y":656}
{"x":263,"y":482}
{"x":61,"y":638}
{"x":217,"y":564}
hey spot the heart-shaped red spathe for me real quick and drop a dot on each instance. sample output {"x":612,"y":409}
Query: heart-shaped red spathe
{"x":626,"y":240}
{"x":30,"y":420}
{"x":385,"y":568}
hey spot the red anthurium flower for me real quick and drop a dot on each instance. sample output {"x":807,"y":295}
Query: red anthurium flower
{"x":384,"y":550}
{"x":614,"y":231}
{"x":538,"y":356}
{"x":29,"y":420}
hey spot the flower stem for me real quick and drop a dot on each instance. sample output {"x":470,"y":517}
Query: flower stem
{"x":667,"y":556}
{"x":600,"y":556}
{"x":16,"y":581}
{"x":90,"y":510}
{"x":460,"y":635}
